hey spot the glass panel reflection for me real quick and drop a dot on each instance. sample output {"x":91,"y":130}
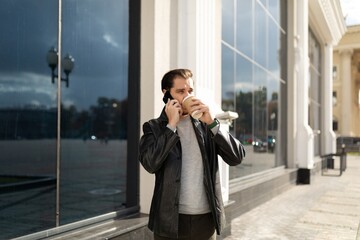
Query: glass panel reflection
{"x":244,"y":24}
{"x":228,"y":94}
{"x":314,"y":90}
{"x":274,"y":9}
{"x":262,"y":153}
{"x":274,"y":52}
{"x":28,"y":117}
{"x":273,"y":118}
{"x":94,"y":109}
{"x":260,"y":61}
{"x":260,"y":94}
{"x":260,"y":36}
{"x":228,"y":21}
{"x":243,"y":125}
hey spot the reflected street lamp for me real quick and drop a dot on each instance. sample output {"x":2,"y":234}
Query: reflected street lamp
{"x":67,"y":64}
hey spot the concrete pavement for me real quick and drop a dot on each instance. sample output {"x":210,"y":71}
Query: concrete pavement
{"x":326,"y":209}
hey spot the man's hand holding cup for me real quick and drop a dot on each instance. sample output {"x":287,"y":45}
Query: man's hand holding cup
{"x":197,"y":109}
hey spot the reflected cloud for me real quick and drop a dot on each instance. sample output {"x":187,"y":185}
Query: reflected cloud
{"x":23,"y":85}
{"x":25,"y":81}
{"x":35,"y":103}
{"x":68,"y":103}
{"x":245,"y":87}
{"x":109,"y":39}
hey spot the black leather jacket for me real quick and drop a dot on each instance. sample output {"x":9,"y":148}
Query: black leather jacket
{"x":160,"y":153}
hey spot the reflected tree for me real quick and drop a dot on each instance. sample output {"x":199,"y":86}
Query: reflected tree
{"x":244,"y":109}
{"x":106,"y":120}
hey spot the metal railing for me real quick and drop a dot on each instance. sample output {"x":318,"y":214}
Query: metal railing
{"x":328,"y":163}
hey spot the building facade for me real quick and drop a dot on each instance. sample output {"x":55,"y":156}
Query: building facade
{"x":76,"y":88}
{"x":346,"y":81}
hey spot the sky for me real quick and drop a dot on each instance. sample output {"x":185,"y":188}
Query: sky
{"x":351,"y":11}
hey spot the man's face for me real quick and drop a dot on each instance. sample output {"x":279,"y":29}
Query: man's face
{"x":182,"y":88}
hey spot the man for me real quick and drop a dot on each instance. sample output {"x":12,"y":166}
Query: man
{"x":182,"y":152}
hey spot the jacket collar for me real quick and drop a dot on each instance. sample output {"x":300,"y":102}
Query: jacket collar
{"x":163,"y":118}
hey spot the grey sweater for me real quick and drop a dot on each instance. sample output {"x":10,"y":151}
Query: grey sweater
{"x":193,"y":198}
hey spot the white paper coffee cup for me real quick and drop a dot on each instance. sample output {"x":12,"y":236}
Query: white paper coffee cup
{"x":186,"y":103}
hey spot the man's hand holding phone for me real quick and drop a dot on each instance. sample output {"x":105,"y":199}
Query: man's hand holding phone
{"x":173,"y":111}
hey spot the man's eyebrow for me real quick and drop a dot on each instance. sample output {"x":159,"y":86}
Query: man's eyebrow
{"x":180,"y":89}
{"x":183,"y":89}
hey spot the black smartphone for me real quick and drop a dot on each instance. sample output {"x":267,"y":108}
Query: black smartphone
{"x":166,"y":96}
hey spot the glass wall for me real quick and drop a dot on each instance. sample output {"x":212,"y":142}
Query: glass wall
{"x":315,"y":90}
{"x":88,"y":159}
{"x":253,"y":62}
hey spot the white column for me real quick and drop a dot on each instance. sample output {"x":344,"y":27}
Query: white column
{"x":328,"y":137}
{"x":304,"y":136}
{"x":156,"y":20}
{"x":345,"y":124}
{"x":199,"y":49}
{"x":226,"y":119}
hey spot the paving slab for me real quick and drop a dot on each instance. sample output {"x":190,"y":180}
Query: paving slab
{"x":328,"y":208}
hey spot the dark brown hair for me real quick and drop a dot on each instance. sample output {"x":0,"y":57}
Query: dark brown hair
{"x":168,"y":79}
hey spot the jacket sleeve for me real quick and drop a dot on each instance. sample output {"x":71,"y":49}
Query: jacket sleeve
{"x":229,"y":148}
{"x":155,"y":145}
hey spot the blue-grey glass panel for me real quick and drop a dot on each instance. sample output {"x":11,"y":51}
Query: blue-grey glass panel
{"x":310,"y":47}
{"x":244,"y":25}
{"x":28,"y":114}
{"x":228,"y":21}
{"x":257,"y":88}
{"x":274,"y":52}
{"x":94,"y":108}
{"x":260,"y":100}
{"x":243,"y":126}
{"x":263,"y":152}
{"x":228,"y":79}
{"x":273,"y":118}
{"x":260,"y":35}
{"x":274,"y":9}
{"x":264,"y":2}
{"x":314,"y":85}
{"x":315,"y":55}
{"x":315,"y":106}
{"x":315,"y":89}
